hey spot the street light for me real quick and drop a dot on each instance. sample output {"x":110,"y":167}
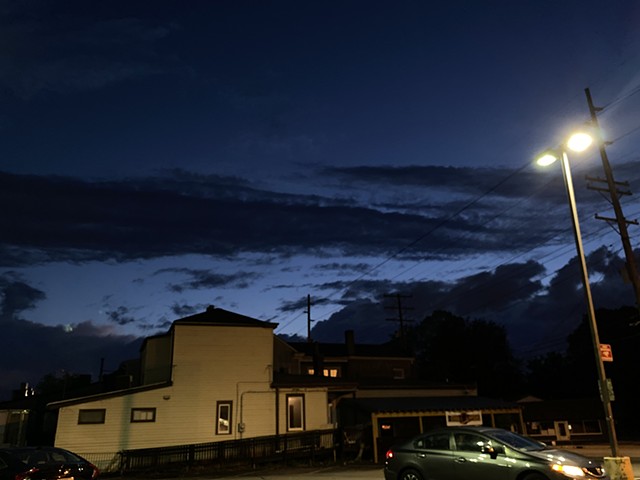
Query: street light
{"x":579,"y":142}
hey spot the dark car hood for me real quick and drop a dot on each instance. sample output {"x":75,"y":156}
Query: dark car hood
{"x":553,"y":455}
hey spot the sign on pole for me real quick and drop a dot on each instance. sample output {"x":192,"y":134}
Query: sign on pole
{"x":605,"y":352}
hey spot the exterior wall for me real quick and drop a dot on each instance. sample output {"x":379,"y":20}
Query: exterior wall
{"x":285,"y":358}
{"x":316,"y":408}
{"x":156,"y":360}
{"x":211,"y":364}
{"x":118,"y":432}
{"x":363,"y":367}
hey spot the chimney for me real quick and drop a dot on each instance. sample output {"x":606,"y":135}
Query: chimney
{"x":318,"y":361}
{"x":349,"y":340}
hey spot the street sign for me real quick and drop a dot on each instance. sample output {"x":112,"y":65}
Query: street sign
{"x":605,"y":352}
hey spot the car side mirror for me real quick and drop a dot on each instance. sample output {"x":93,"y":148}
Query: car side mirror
{"x":493,"y":450}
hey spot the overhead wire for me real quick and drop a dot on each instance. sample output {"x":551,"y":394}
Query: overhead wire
{"x":443,"y":222}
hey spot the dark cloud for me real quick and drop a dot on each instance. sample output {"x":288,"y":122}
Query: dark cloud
{"x":467,"y":180}
{"x":203,"y":279}
{"x":187,"y":213}
{"x":182,"y":310}
{"x":124,"y":221}
{"x":120,"y":316}
{"x":538,"y":317}
{"x":76,"y":349}
{"x":301,"y":304}
{"x":343,"y":268}
{"x":17,"y":296}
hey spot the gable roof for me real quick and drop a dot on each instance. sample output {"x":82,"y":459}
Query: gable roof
{"x":221,"y":317}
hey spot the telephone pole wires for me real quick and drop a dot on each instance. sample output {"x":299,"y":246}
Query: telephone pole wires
{"x":614,"y":196}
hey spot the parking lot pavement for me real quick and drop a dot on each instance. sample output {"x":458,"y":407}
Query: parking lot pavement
{"x":371,"y":472}
{"x":334,"y":472}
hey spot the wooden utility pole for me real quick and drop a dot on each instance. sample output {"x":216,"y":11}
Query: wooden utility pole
{"x":400,"y":317}
{"x":309,"y":318}
{"x":614,"y":195}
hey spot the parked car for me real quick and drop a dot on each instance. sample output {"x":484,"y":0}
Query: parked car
{"x":44,"y":463}
{"x":482,"y":453}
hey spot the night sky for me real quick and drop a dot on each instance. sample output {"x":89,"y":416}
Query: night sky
{"x":157,"y":157}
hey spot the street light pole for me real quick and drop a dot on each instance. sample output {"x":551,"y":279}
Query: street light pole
{"x":593,"y":326}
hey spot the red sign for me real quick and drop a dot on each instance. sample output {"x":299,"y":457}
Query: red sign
{"x":605,"y":352}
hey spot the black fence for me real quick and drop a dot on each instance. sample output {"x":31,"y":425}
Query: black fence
{"x":305,"y":446}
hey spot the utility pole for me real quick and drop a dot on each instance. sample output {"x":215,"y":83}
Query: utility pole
{"x":308,"y":318}
{"x":614,"y":193}
{"x":400,"y":318}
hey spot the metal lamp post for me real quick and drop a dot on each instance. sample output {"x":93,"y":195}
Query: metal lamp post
{"x":579,"y":142}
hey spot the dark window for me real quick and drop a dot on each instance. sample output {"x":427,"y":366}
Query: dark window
{"x":437,"y":441}
{"x":468,"y":442}
{"x":94,"y":415}
{"x":143,"y":415}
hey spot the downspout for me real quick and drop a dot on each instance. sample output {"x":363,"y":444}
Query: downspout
{"x":277,"y":411}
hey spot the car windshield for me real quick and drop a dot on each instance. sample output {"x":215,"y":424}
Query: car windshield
{"x":518,"y":441}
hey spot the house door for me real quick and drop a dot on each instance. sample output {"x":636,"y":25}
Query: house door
{"x":563,"y":433}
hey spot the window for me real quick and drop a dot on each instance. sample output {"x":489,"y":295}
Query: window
{"x":223,"y":424}
{"x":295,"y":412}
{"x":333,"y":372}
{"x":468,"y":442}
{"x":143,"y":415}
{"x":437,"y":441}
{"x":95,"y":415}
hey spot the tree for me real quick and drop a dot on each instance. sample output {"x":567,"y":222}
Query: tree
{"x":452,"y":349}
{"x":53,"y":384}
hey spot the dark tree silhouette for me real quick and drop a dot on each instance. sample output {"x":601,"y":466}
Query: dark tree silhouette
{"x":452,"y":349}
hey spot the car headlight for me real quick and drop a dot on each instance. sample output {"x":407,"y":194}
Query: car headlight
{"x":569,"y":470}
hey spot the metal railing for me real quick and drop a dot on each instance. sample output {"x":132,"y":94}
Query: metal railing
{"x":304,"y":446}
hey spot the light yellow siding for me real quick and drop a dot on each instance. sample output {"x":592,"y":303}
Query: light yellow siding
{"x":118,"y":432}
{"x":156,"y":360}
{"x":316,"y":408}
{"x":210,"y":364}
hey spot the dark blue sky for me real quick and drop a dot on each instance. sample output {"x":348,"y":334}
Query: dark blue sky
{"x":157,"y":157}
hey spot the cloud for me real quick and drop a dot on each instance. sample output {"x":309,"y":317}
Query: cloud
{"x":17,"y":296}
{"x":204,"y":279}
{"x":114,"y":221}
{"x":120,"y":316}
{"x":183,"y":310}
{"x":537,"y":317}
{"x":54,"y":349}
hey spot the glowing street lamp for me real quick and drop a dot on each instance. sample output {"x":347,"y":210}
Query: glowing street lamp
{"x":579,"y":142}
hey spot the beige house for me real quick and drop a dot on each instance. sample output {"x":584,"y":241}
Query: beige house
{"x":218,"y":376}
{"x":209,"y":378}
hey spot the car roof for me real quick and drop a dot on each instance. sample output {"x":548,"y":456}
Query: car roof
{"x":467,"y":428}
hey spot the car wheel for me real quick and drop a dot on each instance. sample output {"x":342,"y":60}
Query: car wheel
{"x":410,"y":474}
{"x":535,"y":476}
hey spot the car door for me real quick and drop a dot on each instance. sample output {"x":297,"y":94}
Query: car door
{"x":434,"y":457}
{"x":470,"y":461}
